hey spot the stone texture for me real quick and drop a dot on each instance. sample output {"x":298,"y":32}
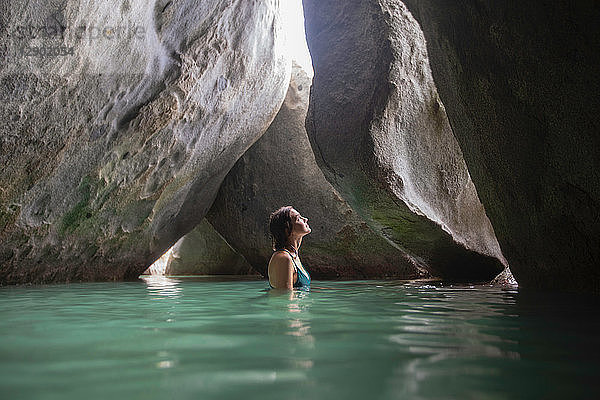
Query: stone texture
{"x":280,"y":169}
{"x":112,"y":153}
{"x":382,"y":138}
{"x":204,"y":252}
{"x":520,"y":83}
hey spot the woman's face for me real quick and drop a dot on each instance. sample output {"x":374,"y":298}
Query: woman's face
{"x":299,"y":223}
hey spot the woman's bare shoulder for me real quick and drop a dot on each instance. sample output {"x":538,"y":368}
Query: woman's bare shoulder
{"x":281,"y":258}
{"x":281,"y":255}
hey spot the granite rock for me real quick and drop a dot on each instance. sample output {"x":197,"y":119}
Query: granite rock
{"x":280,"y":169}
{"x":520,"y":83}
{"x":201,"y":252}
{"x":381,"y":135}
{"x":121,"y":118}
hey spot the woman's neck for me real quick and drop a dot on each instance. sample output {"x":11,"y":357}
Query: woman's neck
{"x":294,"y":244}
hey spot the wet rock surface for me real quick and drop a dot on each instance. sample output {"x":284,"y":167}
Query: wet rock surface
{"x":280,"y":169}
{"x":381,"y":135}
{"x":114,"y":147}
{"x":520,"y":84}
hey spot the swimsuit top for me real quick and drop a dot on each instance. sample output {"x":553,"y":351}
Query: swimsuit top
{"x":303,"y":276}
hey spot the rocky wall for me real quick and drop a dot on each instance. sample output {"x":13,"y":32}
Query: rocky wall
{"x":120,"y":120}
{"x":381,"y":135}
{"x":280,"y":169}
{"x":520,"y":83}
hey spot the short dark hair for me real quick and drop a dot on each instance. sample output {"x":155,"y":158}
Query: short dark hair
{"x":280,"y":225}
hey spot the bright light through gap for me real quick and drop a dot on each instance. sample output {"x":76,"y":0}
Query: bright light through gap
{"x":294,"y":15}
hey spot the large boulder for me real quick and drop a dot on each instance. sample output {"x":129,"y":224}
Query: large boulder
{"x":381,"y":135}
{"x":120,"y":120}
{"x":520,"y":82}
{"x":201,"y":252}
{"x":280,"y":169}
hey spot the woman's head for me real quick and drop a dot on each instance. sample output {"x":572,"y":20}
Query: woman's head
{"x":285,"y":223}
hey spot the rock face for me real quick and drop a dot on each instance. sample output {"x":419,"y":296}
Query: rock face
{"x":521,"y":86}
{"x":381,"y":136}
{"x":280,"y":169}
{"x":204,"y":252}
{"x":120,"y":120}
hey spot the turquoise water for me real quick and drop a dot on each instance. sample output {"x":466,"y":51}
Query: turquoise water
{"x":201,"y":339}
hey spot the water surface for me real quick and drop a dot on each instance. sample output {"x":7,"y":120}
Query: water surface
{"x":201,"y":339}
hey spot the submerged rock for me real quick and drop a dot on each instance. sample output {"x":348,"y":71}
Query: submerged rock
{"x":520,"y":83}
{"x":121,"y":120}
{"x":280,"y":169}
{"x":382,"y":138}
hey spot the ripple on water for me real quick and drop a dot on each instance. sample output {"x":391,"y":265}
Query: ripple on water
{"x":180,"y":338}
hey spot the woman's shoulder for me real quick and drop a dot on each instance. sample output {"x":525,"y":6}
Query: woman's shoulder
{"x":282,"y":258}
{"x":281,"y":255}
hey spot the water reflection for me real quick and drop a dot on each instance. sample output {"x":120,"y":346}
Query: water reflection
{"x":295,"y":307}
{"x":440,"y":326}
{"x":299,"y":326}
{"x":160,"y":287}
{"x":366,"y":340}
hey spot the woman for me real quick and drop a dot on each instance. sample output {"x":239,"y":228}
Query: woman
{"x":287,"y":228}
